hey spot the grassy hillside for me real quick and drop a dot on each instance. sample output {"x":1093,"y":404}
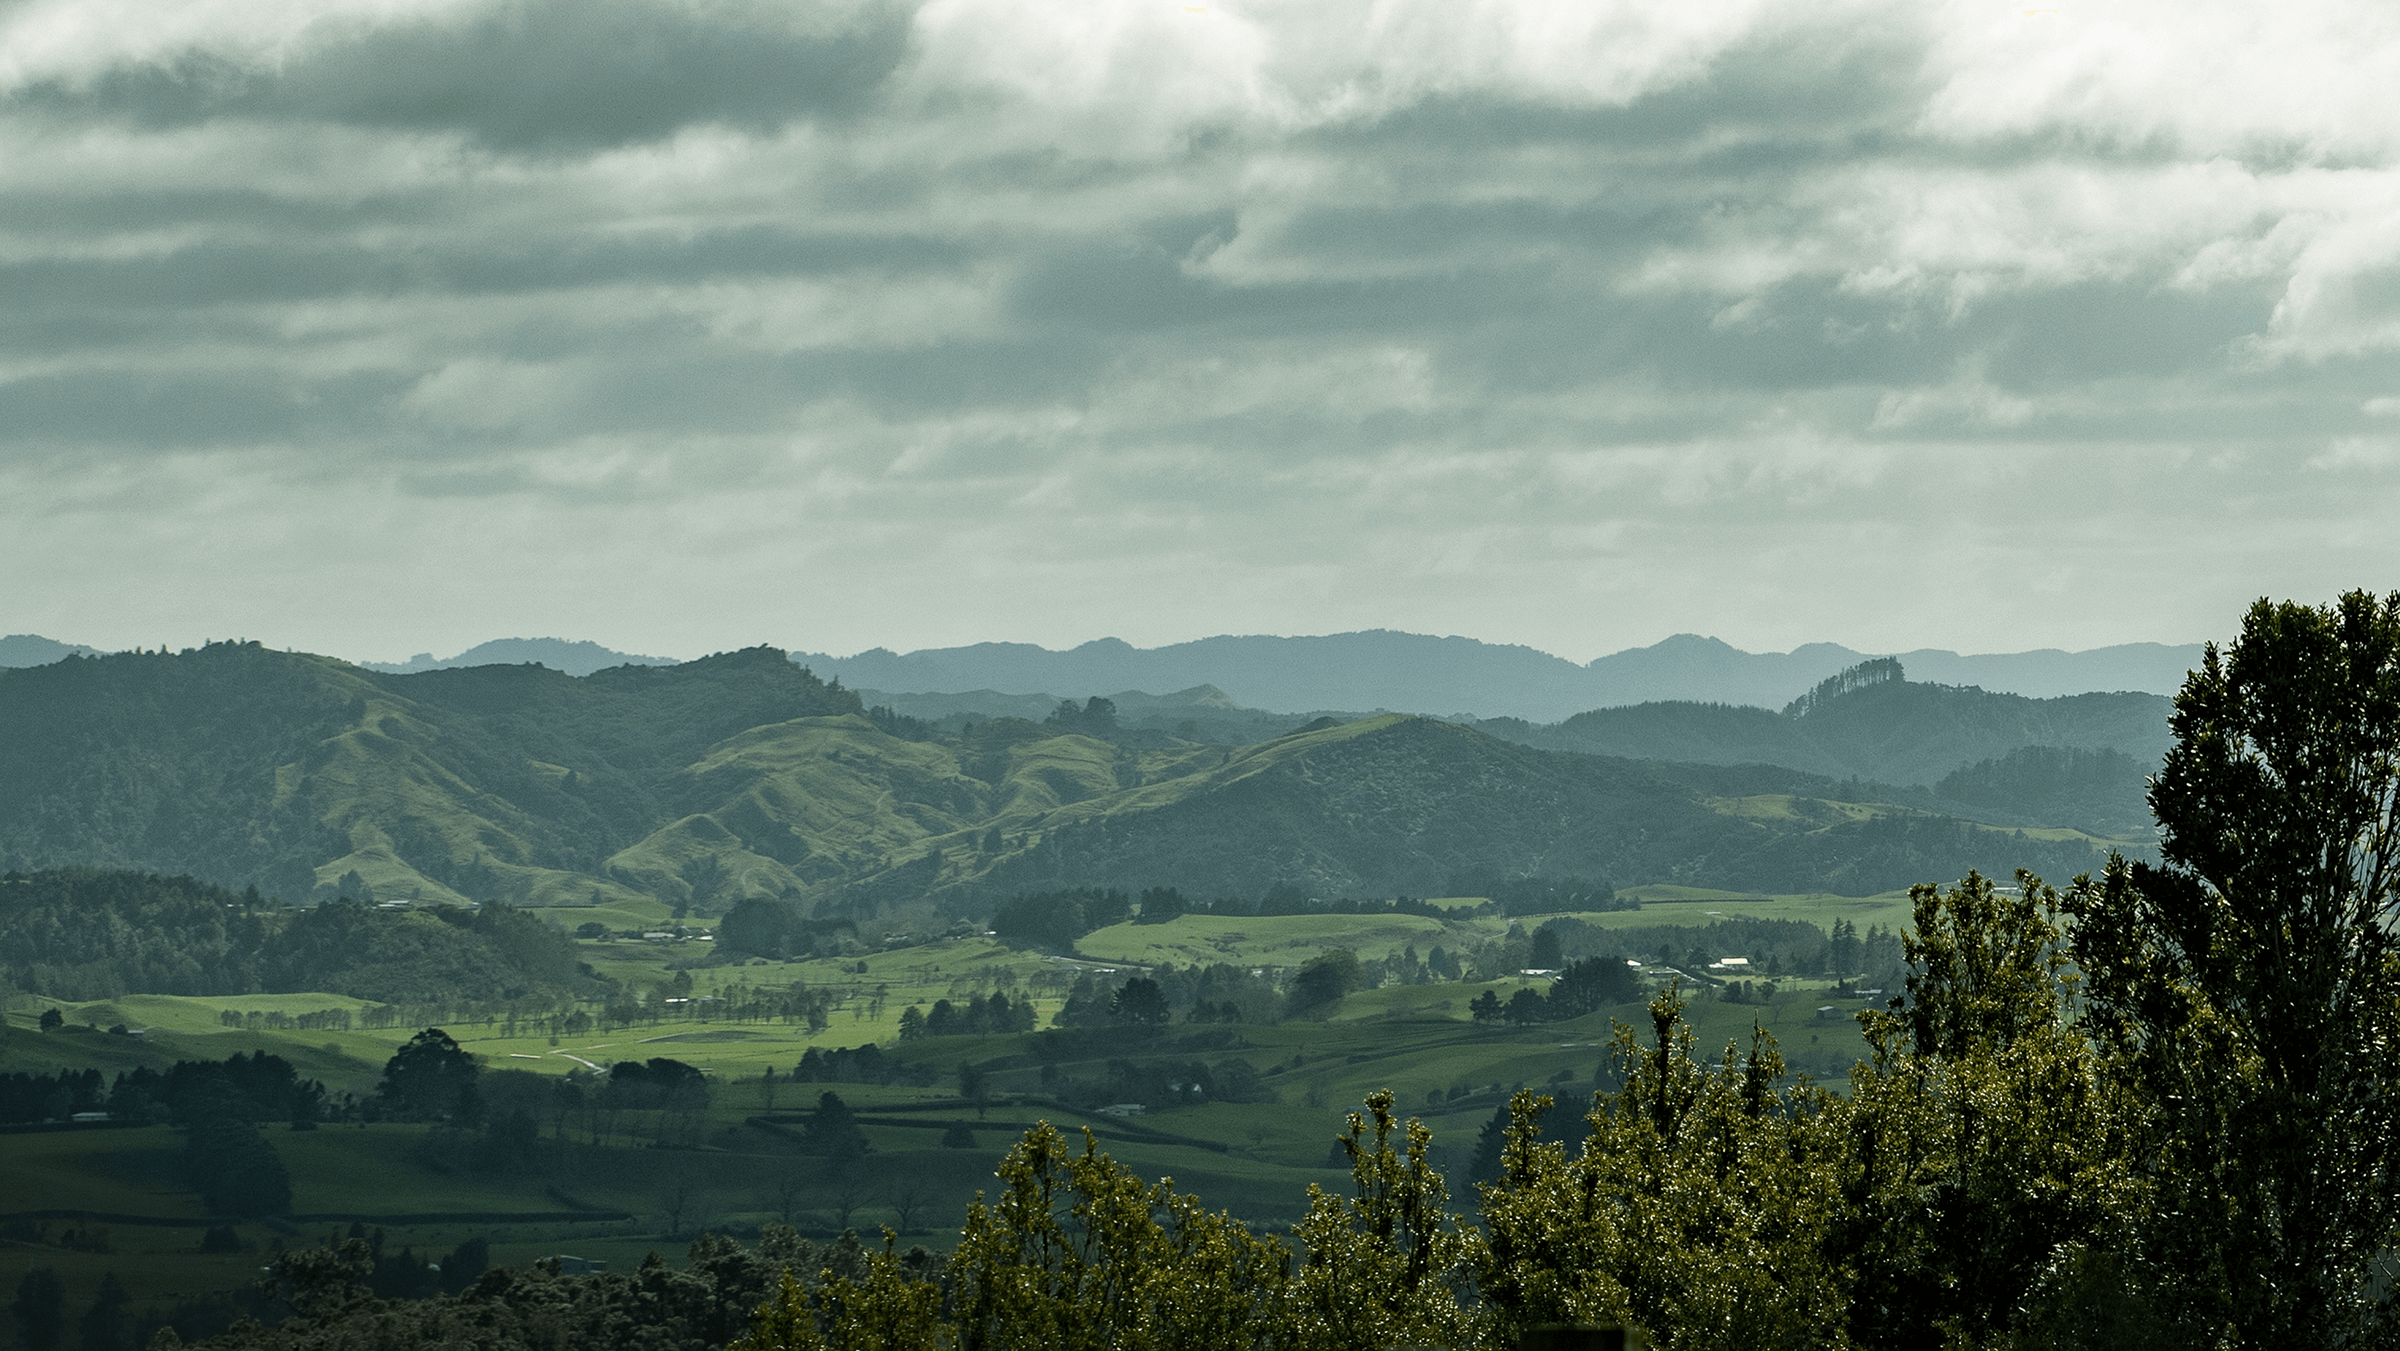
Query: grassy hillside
{"x":639,"y":793}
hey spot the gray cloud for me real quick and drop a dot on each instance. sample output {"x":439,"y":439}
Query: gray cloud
{"x":919,"y":325}
{"x":543,"y":77}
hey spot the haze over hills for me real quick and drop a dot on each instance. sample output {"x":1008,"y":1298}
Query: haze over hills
{"x":1373,"y":670}
{"x":1888,"y":728}
{"x":1407,"y":672}
{"x":575,"y":658}
{"x":26,"y":649}
{"x":743,"y":775}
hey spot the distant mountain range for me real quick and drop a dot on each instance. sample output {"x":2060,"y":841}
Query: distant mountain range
{"x":743,"y":775}
{"x":26,"y":649}
{"x":1409,"y":672}
{"x":575,"y":658}
{"x":1374,"y":670}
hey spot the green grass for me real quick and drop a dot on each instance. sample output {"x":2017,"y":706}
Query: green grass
{"x":618,"y":916}
{"x":1415,"y":1040}
{"x":1698,"y":906}
{"x":1277,"y":940}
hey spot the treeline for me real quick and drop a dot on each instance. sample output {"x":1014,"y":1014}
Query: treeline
{"x":1774,"y":947}
{"x":89,"y":933}
{"x":218,"y":1103}
{"x":857,"y":1065}
{"x":1214,"y":993}
{"x":1584,"y":987}
{"x":255,"y":1087}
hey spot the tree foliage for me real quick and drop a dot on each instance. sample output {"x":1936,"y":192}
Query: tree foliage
{"x":1076,"y":1253}
{"x":1986,"y":1138}
{"x":429,"y":1078}
{"x":2250,"y":987}
{"x":1700,"y":1205}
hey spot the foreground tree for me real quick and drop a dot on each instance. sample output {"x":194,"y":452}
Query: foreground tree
{"x":1986,"y":1145}
{"x":1700,"y":1207}
{"x":2250,"y":987}
{"x":1076,"y":1253}
{"x":1382,"y":1265}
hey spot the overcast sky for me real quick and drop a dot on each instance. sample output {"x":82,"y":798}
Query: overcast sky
{"x":385,"y":326}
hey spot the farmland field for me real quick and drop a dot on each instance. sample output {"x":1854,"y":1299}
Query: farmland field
{"x":617,"y":1188}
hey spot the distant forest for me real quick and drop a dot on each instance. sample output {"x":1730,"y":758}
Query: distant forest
{"x":86,"y":934}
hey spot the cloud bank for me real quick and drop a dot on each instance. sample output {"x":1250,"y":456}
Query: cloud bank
{"x":385,"y":325}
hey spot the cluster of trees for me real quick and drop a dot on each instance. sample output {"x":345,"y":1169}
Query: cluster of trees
{"x":2096,"y":789}
{"x":1055,"y":919}
{"x":95,"y":933}
{"x":1546,"y":895}
{"x":1094,"y":717}
{"x":262,"y":1087}
{"x":768,"y":927}
{"x":978,"y":1016}
{"x":1587,"y":986}
{"x":1217,"y":992}
{"x":832,"y":1131}
{"x":854,"y":1065}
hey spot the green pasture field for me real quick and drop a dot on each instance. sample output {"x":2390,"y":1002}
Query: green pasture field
{"x":344,"y":1060}
{"x":1697,"y":906}
{"x":1277,"y":940}
{"x":741,"y":1165}
{"x":619,"y":915}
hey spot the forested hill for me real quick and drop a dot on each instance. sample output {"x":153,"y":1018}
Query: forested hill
{"x":2077,"y":759}
{"x":744,"y":775}
{"x":89,"y":933}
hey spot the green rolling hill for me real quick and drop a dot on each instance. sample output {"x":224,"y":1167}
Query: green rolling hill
{"x":742,"y":775}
